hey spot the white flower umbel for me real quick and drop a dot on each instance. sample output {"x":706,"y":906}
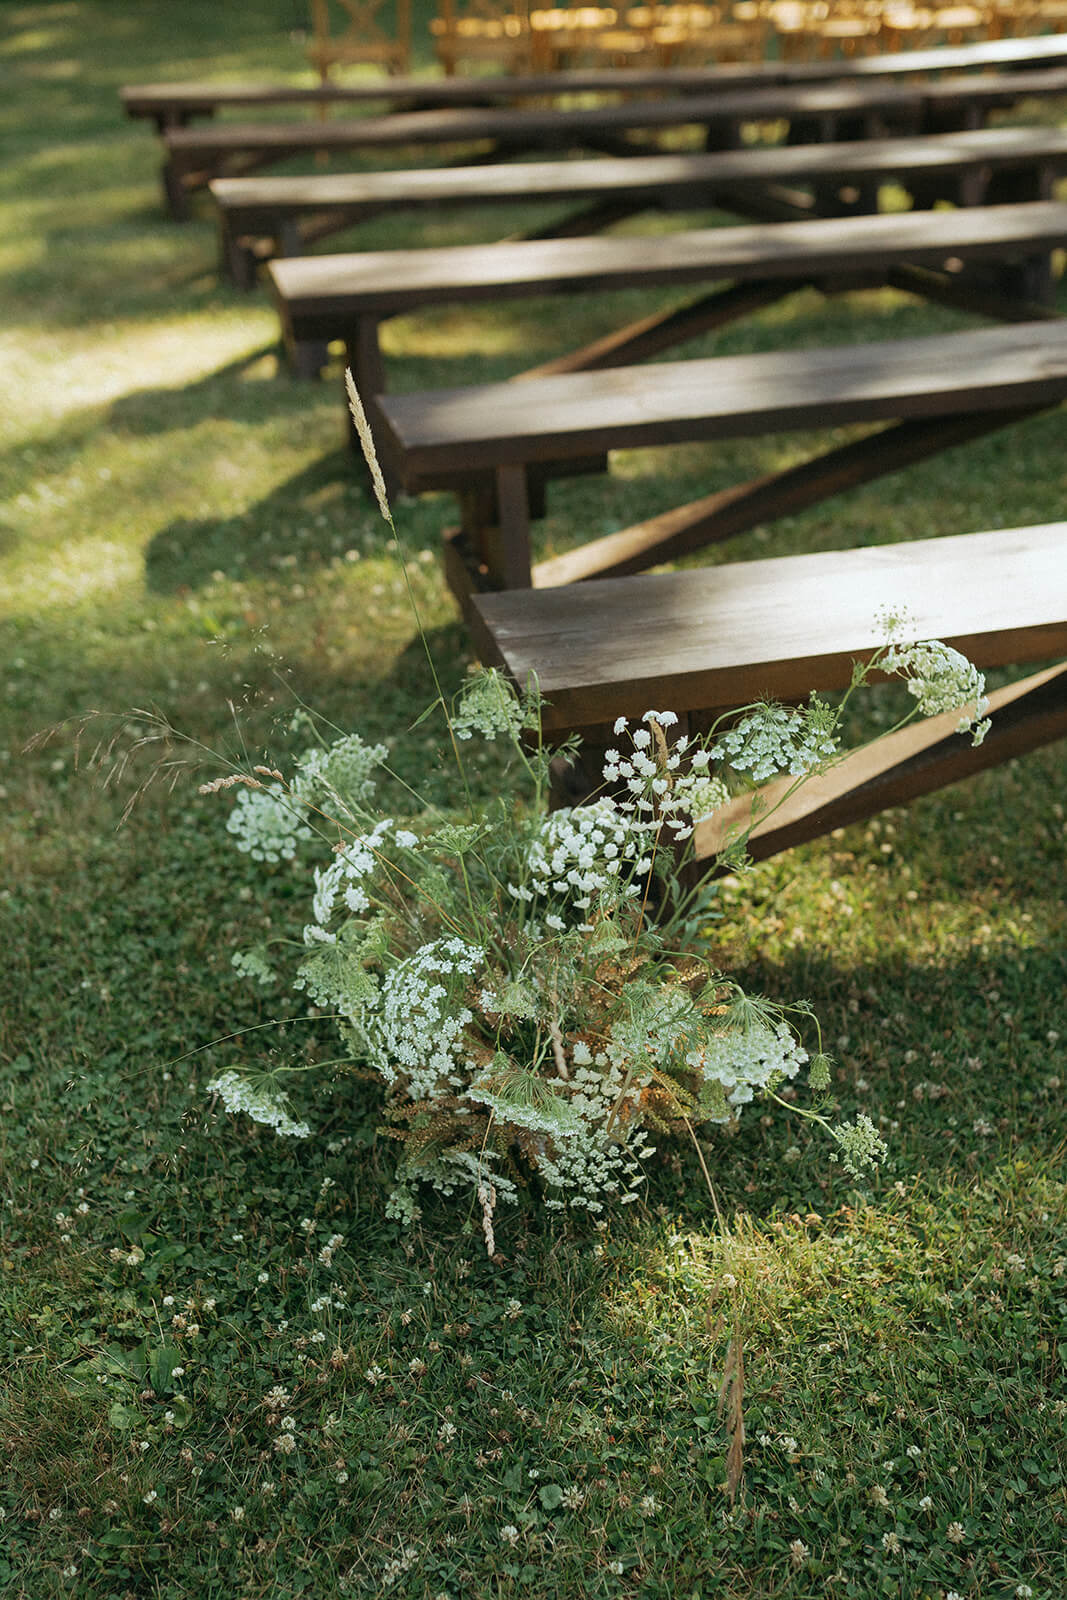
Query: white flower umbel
{"x":418,"y":1031}
{"x":488,"y":705}
{"x":941,"y":679}
{"x":661,"y":784}
{"x":258,"y":1101}
{"x":341,"y":775}
{"x":742,"y":1060}
{"x":582,"y":852}
{"x":268,"y":823}
{"x":772,"y":739}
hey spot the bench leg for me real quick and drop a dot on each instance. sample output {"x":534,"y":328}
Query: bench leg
{"x":308,"y":357}
{"x":494,"y":540}
{"x":175,"y":194}
{"x":237,"y":263}
{"x":508,"y":544}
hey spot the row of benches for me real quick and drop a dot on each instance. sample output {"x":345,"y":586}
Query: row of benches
{"x":600,"y":639}
{"x":197,"y":155}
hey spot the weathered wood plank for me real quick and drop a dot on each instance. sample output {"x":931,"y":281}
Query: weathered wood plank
{"x":255,"y":202}
{"x":427,"y":435}
{"x":321,"y":292}
{"x":718,"y":637}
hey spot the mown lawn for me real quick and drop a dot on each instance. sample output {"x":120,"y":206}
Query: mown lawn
{"x":181,"y":528}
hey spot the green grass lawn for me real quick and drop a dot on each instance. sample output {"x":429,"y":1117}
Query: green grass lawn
{"x":202,"y":1395}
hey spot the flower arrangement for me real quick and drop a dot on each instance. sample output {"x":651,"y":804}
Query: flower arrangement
{"x":524,"y":982}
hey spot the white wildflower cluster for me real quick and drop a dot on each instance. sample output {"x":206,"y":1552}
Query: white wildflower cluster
{"x":343,"y":878}
{"x":507,"y":977}
{"x":419,"y":1026}
{"x":258,"y":1101}
{"x":268,"y":823}
{"x":673,"y":787}
{"x":941,"y":679}
{"x":773,"y":739}
{"x":580,"y":853}
{"x":602,"y":1160}
{"x":859,"y":1146}
{"x":488,"y":705}
{"x":737,"y":1062}
{"x":339,"y":778}
{"x":253,"y":964}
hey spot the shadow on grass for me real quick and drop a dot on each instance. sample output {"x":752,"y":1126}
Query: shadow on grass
{"x":286,"y":529}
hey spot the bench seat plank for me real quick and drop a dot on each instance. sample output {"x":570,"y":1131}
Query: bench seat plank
{"x":426,"y":437}
{"x":173,"y":101}
{"x":194,"y":155}
{"x":253,"y":200}
{"x":719,"y":637}
{"x":319,"y":295}
{"x":525,"y":127}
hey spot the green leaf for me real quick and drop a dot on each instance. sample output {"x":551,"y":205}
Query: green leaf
{"x":161,"y":1364}
{"x":122,"y":1417}
{"x":550,"y":1496}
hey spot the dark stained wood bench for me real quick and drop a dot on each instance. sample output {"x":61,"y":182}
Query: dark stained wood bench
{"x":261,"y":216}
{"x":347,"y":297}
{"x":495,"y":445}
{"x":707,"y":641}
{"x":176,"y":104}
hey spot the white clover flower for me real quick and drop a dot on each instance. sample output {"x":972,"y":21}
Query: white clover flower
{"x":510,"y":1534}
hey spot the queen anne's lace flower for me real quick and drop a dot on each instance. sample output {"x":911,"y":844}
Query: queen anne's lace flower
{"x":257,"y":1101}
{"x":742,"y":1060}
{"x":941,"y":679}
{"x":581,"y":852}
{"x":773,"y":739}
{"x":417,"y":1031}
{"x":268,"y":823}
{"x":489,"y":705}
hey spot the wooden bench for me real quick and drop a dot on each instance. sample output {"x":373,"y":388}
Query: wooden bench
{"x":347,"y":297}
{"x":707,"y":641}
{"x":259,"y":217}
{"x":171,"y":105}
{"x":823,"y":111}
{"x":495,"y":445}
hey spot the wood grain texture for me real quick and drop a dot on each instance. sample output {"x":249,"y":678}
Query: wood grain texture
{"x":255,"y":201}
{"x":431,"y":433}
{"x":321,"y":292}
{"x":721,"y":636}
